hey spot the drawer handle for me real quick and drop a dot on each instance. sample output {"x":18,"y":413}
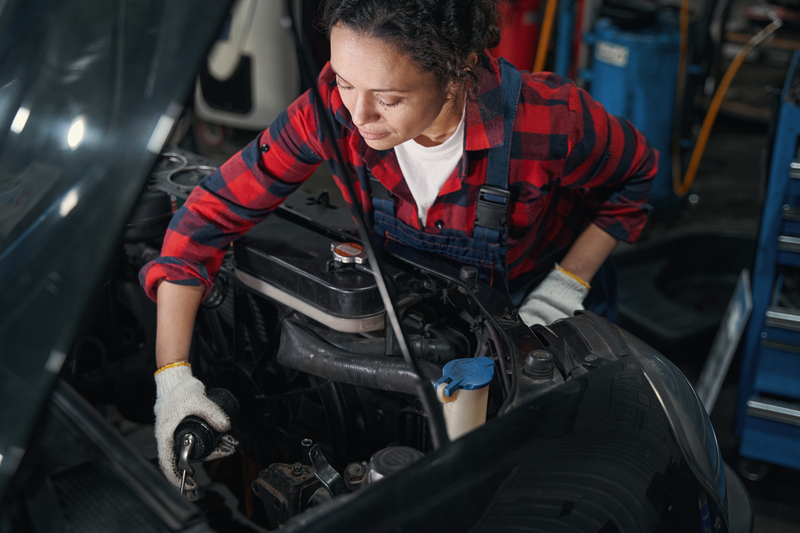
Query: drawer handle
{"x":788,"y":413}
{"x":788,"y":244}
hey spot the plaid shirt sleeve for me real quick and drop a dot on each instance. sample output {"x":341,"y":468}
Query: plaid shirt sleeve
{"x":613,"y":161}
{"x":239,"y":195}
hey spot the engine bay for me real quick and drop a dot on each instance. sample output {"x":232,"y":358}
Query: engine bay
{"x":295,"y":330}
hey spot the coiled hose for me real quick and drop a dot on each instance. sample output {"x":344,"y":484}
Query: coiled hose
{"x":681,"y":187}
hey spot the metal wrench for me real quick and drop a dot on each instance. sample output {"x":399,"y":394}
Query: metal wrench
{"x":183,"y":458}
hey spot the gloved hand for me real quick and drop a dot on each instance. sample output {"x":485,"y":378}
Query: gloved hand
{"x":178,"y":395}
{"x":559,"y":295}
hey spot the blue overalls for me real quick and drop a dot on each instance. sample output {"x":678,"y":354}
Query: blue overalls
{"x":486,"y":249}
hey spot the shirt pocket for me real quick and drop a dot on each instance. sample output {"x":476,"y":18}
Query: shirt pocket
{"x":526,"y":216}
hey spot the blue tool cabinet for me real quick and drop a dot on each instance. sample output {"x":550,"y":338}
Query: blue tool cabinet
{"x":768,"y":407}
{"x":633,"y":75}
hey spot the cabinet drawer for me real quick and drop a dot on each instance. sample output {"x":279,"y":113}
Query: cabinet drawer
{"x":778,"y":370}
{"x":770,"y":440}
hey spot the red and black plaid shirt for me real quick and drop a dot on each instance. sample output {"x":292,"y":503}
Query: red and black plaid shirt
{"x":571,"y":163}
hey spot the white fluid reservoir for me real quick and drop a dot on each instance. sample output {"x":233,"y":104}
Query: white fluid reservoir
{"x":251,"y":73}
{"x":463,"y":390}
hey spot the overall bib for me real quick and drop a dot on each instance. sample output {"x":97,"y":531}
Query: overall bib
{"x":486,"y":249}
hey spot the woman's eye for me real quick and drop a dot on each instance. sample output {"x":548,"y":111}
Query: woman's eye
{"x":344,"y":87}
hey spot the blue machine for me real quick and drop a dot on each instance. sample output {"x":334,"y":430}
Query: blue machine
{"x":633,"y":75}
{"x":768,"y":409}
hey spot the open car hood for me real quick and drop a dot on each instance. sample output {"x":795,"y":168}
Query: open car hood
{"x":89,"y":91}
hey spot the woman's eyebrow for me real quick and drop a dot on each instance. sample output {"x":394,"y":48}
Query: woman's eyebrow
{"x":372,"y":90}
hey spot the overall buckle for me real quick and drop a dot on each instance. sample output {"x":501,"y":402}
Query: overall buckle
{"x":492,"y":209}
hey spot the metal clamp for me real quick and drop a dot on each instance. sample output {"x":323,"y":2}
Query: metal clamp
{"x":329,"y":477}
{"x":492,"y":208}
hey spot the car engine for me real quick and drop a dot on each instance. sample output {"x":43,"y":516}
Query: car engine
{"x":295,"y":330}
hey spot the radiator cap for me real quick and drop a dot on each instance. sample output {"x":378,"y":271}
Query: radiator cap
{"x":391,"y":460}
{"x":348,"y":252}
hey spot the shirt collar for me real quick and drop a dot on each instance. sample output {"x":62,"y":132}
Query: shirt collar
{"x":485,"y":112}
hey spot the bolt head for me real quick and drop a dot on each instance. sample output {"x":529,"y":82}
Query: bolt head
{"x":355,"y":470}
{"x":539,"y":364}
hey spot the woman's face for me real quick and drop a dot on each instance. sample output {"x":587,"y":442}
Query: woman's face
{"x":389,"y":98}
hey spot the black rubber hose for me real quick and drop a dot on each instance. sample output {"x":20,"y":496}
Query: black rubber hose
{"x":437,"y":351}
{"x":303,"y":348}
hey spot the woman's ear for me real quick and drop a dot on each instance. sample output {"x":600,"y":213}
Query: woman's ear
{"x":452,"y":90}
{"x":456,"y":89}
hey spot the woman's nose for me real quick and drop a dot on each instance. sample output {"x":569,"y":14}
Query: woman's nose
{"x":363,"y":111}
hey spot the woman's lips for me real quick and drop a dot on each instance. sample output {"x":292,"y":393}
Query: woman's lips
{"x":372,"y":136}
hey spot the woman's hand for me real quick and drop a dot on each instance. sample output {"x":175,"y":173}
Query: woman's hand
{"x":558,"y":296}
{"x":178,"y":395}
{"x":563,"y":290}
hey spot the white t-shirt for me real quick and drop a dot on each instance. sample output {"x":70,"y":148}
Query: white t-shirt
{"x":427,"y":168}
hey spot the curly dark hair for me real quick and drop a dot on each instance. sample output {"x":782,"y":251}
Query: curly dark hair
{"x":440,"y":36}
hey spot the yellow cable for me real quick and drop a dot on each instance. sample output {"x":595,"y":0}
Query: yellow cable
{"x":679,"y":90}
{"x":544,"y":39}
{"x":716,"y":102}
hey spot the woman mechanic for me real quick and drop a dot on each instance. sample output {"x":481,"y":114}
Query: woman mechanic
{"x":458,"y":139}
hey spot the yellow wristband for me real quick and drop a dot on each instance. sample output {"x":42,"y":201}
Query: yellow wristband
{"x":573,"y":276}
{"x":172,"y":365}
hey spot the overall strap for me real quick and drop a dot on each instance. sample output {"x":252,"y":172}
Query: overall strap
{"x":382,"y":199}
{"x":491,"y":212}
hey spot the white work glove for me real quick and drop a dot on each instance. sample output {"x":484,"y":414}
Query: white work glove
{"x":178,"y":395}
{"x":559,"y":295}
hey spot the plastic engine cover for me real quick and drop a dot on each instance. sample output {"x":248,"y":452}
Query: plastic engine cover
{"x":293,"y":265}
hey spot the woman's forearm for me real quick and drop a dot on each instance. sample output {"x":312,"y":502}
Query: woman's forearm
{"x":177,"y":309}
{"x":588,"y":252}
